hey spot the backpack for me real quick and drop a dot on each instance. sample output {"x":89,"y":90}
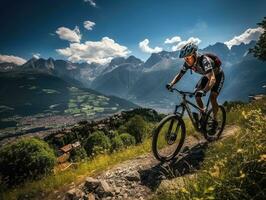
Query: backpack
{"x":215,"y":59}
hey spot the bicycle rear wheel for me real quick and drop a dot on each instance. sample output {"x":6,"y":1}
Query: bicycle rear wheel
{"x":168,"y":138}
{"x":212,"y":135}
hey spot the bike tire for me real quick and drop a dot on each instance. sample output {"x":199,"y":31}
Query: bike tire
{"x":156,"y":132}
{"x":217,"y":135}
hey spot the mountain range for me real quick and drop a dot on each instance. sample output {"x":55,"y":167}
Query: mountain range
{"x":143,"y":83}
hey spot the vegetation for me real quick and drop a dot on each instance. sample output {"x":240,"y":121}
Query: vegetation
{"x":235,"y":167}
{"x":97,"y":143}
{"x":127,"y":139}
{"x":27,"y":158}
{"x":259,"y":50}
{"x":78,"y":154}
{"x":137,"y":127}
{"x":116,"y":143}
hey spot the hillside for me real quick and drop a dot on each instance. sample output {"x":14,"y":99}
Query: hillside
{"x":198,"y":172}
{"x":35,"y":100}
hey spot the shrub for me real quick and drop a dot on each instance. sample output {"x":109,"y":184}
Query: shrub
{"x":97,"y":143}
{"x":78,"y":154}
{"x":113,"y":133}
{"x":127,"y":139}
{"x":116,"y":143}
{"x":26,"y":158}
{"x":137,"y":127}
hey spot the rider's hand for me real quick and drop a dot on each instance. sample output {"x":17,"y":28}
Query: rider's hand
{"x":169,"y":86}
{"x":200,"y":93}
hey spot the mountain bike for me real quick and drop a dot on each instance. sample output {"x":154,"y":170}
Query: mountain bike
{"x":169,"y":135}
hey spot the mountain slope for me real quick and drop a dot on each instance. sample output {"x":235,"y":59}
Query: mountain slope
{"x":35,"y":93}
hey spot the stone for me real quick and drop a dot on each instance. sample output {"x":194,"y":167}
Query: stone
{"x":125,"y":196}
{"x":74,"y":194}
{"x":91,"y":196}
{"x":117,"y":190}
{"x":133,"y":176}
{"x":91,"y":184}
{"x":103,"y":190}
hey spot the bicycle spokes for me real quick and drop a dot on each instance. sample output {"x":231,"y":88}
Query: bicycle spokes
{"x":168,"y":138}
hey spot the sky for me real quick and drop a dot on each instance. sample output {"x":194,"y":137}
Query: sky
{"x":99,"y":30}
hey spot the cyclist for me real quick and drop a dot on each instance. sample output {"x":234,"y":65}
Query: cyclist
{"x":212,"y":79}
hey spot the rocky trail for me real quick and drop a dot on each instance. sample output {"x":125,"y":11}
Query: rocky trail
{"x":139,"y":178}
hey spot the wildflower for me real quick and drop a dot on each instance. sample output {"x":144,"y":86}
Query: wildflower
{"x":239,"y":150}
{"x":242,"y":175}
{"x":215,"y":171}
{"x":183,"y":190}
{"x":262,"y":158}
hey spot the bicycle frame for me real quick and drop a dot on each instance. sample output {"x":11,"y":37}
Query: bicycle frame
{"x":185,"y":106}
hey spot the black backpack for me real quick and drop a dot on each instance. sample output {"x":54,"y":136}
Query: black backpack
{"x":215,"y":59}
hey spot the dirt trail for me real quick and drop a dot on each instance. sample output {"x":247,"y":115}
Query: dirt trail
{"x":139,"y":178}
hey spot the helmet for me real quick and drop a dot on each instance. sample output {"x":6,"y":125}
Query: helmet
{"x":188,"y":49}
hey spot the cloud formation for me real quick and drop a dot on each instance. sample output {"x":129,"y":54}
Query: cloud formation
{"x":91,"y":2}
{"x":178,"y":46}
{"x":249,"y":35}
{"x":88,"y":25}
{"x":68,"y":34}
{"x":172,"y":40}
{"x":144,"y":46}
{"x":12,"y":59}
{"x":101,"y":52}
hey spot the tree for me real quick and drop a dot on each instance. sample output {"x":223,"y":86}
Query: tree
{"x":259,"y":51}
{"x":97,"y":143}
{"x":137,"y":127}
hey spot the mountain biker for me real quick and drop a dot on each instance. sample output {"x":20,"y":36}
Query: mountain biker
{"x":212,"y":79}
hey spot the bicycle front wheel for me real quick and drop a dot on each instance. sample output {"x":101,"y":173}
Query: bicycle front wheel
{"x":168,"y":138}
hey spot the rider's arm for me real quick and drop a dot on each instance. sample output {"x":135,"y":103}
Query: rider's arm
{"x":179,"y":75}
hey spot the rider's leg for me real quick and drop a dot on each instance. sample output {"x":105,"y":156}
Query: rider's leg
{"x":200,"y":85}
{"x":215,"y":106}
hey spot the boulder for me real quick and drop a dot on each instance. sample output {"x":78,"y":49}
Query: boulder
{"x":74,"y":194}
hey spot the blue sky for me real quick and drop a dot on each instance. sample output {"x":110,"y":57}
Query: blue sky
{"x":29,"y":27}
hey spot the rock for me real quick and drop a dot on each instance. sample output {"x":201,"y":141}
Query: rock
{"x":125,"y":196}
{"x":103,"y":190}
{"x":117,"y":190}
{"x":91,"y":184}
{"x":133,"y":176}
{"x":91,"y":196}
{"x":74,"y":194}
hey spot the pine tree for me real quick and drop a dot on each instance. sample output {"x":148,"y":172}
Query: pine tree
{"x":259,"y":51}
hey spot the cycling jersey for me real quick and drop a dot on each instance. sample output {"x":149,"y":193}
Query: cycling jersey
{"x":203,"y":65}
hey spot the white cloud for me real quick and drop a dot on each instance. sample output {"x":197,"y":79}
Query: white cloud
{"x":173,"y":40}
{"x":88,"y":24}
{"x":144,"y":46}
{"x":36,"y":55}
{"x":68,"y":34}
{"x":91,"y":2}
{"x":100,"y":52}
{"x":12,"y":59}
{"x":249,"y":35}
{"x":182,"y":43}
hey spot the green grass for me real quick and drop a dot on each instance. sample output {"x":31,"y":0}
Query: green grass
{"x":60,"y":180}
{"x":83,"y":169}
{"x":234,"y":168}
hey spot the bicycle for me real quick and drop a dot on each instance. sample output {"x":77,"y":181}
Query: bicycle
{"x":173,"y":123}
